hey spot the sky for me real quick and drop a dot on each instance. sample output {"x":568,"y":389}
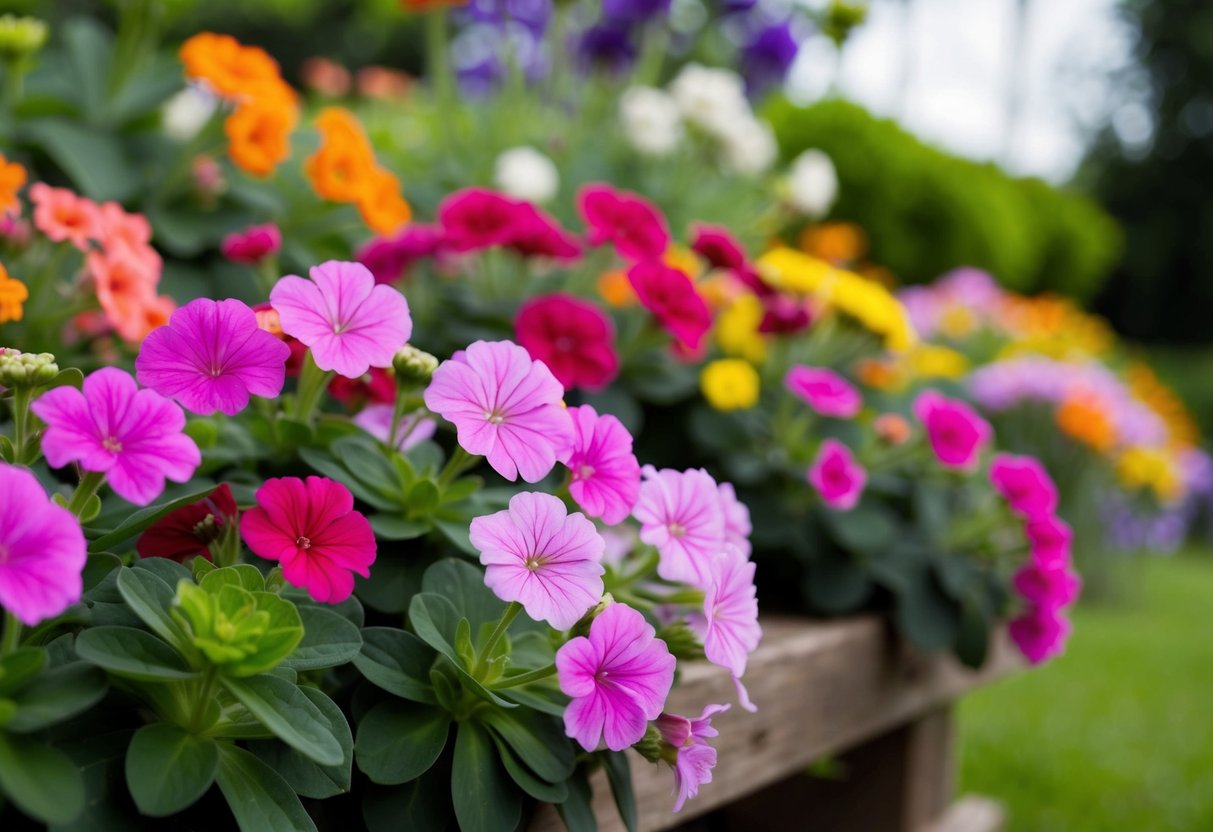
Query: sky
{"x":942,"y":68}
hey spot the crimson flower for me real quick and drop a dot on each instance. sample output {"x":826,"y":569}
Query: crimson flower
{"x":189,"y":530}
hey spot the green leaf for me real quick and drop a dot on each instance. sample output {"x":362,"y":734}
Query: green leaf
{"x":292,"y":717}
{"x":395,"y":579}
{"x":56,"y":695}
{"x":398,"y":741}
{"x":132,"y":654}
{"x":423,"y":497}
{"x":150,"y":598}
{"x":87,"y":47}
{"x":389,"y":527}
{"x":927,"y":616}
{"x":436,"y":623}
{"x":539,"y":741}
{"x":259,"y":798}
{"x":577,"y":811}
{"x":301,"y":774}
{"x":973,"y":635}
{"x":867,"y":529}
{"x":422,"y":804}
{"x":485,"y":799}
{"x":462,"y":584}
{"x":135,"y":522}
{"x":95,"y":160}
{"x":620,"y":776}
{"x":526,"y":779}
{"x":398,"y":662}
{"x":97,"y":566}
{"x":166,"y":570}
{"x":324,"y":463}
{"x":837,"y":584}
{"x":456,"y":531}
{"x":328,"y":640}
{"x":167,"y":768}
{"x":242,"y":575}
{"x":19,"y":667}
{"x":42,"y":781}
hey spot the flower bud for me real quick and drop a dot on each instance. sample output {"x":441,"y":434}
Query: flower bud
{"x":21,"y":36}
{"x":582,"y":627}
{"x":21,"y":369}
{"x":413,"y":365}
{"x":681,"y":640}
{"x":650,"y":745}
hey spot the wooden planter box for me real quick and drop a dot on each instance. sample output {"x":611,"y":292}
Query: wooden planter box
{"x":846,"y":689}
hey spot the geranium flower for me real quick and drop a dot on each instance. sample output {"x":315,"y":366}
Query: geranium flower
{"x":1050,"y":586}
{"x":737,"y":526}
{"x":838,"y":478}
{"x":477,"y":218}
{"x":535,"y":234}
{"x":348,"y":322}
{"x":389,"y":258}
{"x":605,"y":473}
{"x":259,"y":133}
{"x":618,"y":677}
{"x":632,"y":225}
{"x":211,"y":357}
{"x":381,"y":204}
{"x":679,"y":513}
{"x":694,"y":758}
{"x":311,"y":528}
{"x":539,"y":555}
{"x":118,"y":227}
{"x":253,"y":244}
{"x":670,"y":295}
{"x":505,"y":406}
{"x":729,"y":626}
{"x":1040,"y":633}
{"x":189,"y":531}
{"x":956,"y":433}
{"x":132,"y":436}
{"x":1025,"y":484}
{"x":1050,"y":539}
{"x":62,"y":215}
{"x":42,"y":550}
{"x":414,"y":428}
{"x":126,"y":289}
{"x":573,"y":337}
{"x":825,"y":391}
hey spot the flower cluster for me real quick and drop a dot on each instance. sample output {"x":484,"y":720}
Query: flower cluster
{"x":344,"y":169}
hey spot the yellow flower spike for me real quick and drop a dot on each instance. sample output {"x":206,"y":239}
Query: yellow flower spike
{"x":730,"y":384}
{"x":13,"y":296}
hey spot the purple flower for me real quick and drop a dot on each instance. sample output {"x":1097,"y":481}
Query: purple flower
{"x":1024,"y":484}
{"x":632,"y":12}
{"x":389,"y":258}
{"x":767,"y":57}
{"x":694,"y":758}
{"x":1049,"y":586}
{"x":607,"y":47}
{"x":729,"y":627}
{"x":605,"y":474}
{"x":680,"y":514}
{"x":956,"y":433}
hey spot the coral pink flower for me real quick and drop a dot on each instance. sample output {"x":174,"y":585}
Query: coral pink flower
{"x":390,"y":258}
{"x":618,"y":677}
{"x":838,"y":478}
{"x":670,"y":295}
{"x":679,"y":513}
{"x":42,"y":550}
{"x":211,"y":357}
{"x":190,"y":530}
{"x":414,"y":428}
{"x":539,"y":555}
{"x":1025,"y":484}
{"x":505,"y":406}
{"x":253,"y":244}
{"x":632,"y":225}
{"x":956,"y":433}
{"x":125,"y":283}
{"x":311,"y":528}
{"x":825,"y":391}
{"x":117,"y":227}
{"x":536,"y":234}
{"x":729,"y":627}
{"x":1040,"y":634}
{"x":605,"y":474}
{"x":715,"y":244}
{"x":892,"y":428}
{"x":348,"y":322}
{"x":1050,"y":539}
{"x":477,"y":218}
{"x":63,"y":215}
{"x":573,"y":337}
{"x":1049,"y":587}
{"x":737,"y":526}
{"x":132,"y":436}
{"x":694,"y":758}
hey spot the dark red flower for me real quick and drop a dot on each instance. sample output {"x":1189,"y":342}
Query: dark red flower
{"x":715,"y":244}
{"x":573,"y":337}
{"x":190,"y":530}
{"x":376,"y":387}
{"x":635,"y":227}
{"x":784,"y":314}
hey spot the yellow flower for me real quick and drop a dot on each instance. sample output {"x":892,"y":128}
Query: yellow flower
{"x":957,"y":321}
{"x":737,"y":329}
{"x":730,"y":384}
{"x":683,"y":259}
{"x":1151,"y":468}
{"x":933,"y":361}
{"x":784,"y":268}
{"x":13,"y":295}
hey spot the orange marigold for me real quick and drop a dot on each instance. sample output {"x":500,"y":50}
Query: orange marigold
{"x":227,"y":66}
{"x":259,"y":135}
{"x":13,"y":296}
{"x":12,"y":180}
{"x":382,"y":207}
{"x":1085,"y":418}
{"x":344,"y":166}
{"x":837,"y":242}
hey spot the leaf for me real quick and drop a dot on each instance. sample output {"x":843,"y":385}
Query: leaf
{"x":484,"y":798}
{"x":136,"y":522}
{"x":423,"y":804}
{"x":389,"y":527}
{"x":537,"y":739}
{"x":423,"y":497}
{"x":577,"y":811}
{"x":88,"y":49}
{"x":282,"y":708}
{"x":301,"y":774}
{"x":19,"y":667}
{"x":94,"y":160}
{"x":435,"y":621}
{"x":867,"y":529}
{"x":56,"y":695}
{"x":259,"y":798}
{"x":283,"y":634}
{"x":927,"y":616}
{"x":132,"y":654}
{"x":243,"y":575}
{"x":398,"y":662}
{"x":166,"y":570}
{"x":42,"y":781}
{"x":837,"y":584}
{"x":457,"y":533}
{"x":97,"y":566}
{"x":462,"y":584}
{"x":328,"y":640}
{"x":973,"y":635}
{"x":168,"y":769}
{"x":620,"y":776}
{"x":395,"y":579}
{"x":526,"y":779}
{"x":150,"y":598}
{"x":398,"y":741}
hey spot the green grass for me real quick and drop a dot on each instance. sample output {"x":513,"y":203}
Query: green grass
{"x":1118,"y":733}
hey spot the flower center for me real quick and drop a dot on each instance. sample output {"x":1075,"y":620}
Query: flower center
{"x":111,"y":444}
{"x":564,"y":343}
{"x":303,"y":542}
{"x":677,"y":530}
{"x":533,"y":562}
{"x":583,"y":472}
{"x":494,"y":417}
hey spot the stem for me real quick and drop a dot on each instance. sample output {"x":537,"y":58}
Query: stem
{"x":90,"y":482}
{"x":268,"y":274}
{"x":204,"y":698}
{"x":312,"y":382}
{"x":459,"y":462}
{"x":526,"y":678}
{"x":21,"y":399}
{"x":12,"y":634}
{"x":507,"y":618}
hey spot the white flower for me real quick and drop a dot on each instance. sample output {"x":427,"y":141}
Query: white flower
{"x":812,"y":183}
{"x":525,"y":173}
{"x":187,"y":112}
{"x":650,"y":121}
{"x":712,"y":99}
{"x":749,"y":146}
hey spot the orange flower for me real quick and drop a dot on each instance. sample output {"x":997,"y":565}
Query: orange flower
{"x":231,"y":69}
{"x":12,"y":179}
{"x":382,"y":207}
{"x":62,"y":215}
{"x":126,"y":290}
{"x":259,"y":134}
{"x":1083,"y":417}
{"x":616,"y":289}
{"x":837,"y":242}
{"x":12,"y":295}
{"x":344,"y":166}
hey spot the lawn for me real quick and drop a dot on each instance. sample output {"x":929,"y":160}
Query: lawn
{"x":1118,"y":733}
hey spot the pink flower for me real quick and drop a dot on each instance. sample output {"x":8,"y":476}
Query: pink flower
{"x":477,"y":218}
{"x":632,"y":225}
{"x":838,"y":478}
{"x":311,"y":528}
{"x":671,"y":297}
{"x":252,"y":245}
{"x":63,"y":215}
{"x":729,"y":627}
{"x":737,"y":526}
{"x":956,"y":433}
{"x":116,"y":227}
{"x":1047,"y":586}
{"x":694,"y":758}
{"x":539,"y":555}
{"x":715,"y":244}
{"x":618,"y":677}
{"x":211,"y":357}
{"x":825,"y":391}
{"x":680,"y":514}
{"x":1025,"y":484}
{"x":414,"y":428}
{"x":348,"y":322}
{"x":536,"y":234}
{"x":132,"y":436}
{"x":605,"y":473}
{"x":390,"y":258}
{"x":1040,"y":633}
{"x":42,"y":550}
{"x":505,"y":406}
{"x":784,"y":314}
{"x":573,"y":337}
{"x":1050,"y":539}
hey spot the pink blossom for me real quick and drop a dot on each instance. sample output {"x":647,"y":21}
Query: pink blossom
{"x":671,"y":297}
{"x":838,"y":478}
{"x":1025,"y":484}
{"x":117,"y":227}
{"x":729,"y":627}
{"x":132,"y":436}
{"x":414,"y":428}
{"x":211,"y":357}
{"x":536,"y":234}
{"x":694,"y":758}
{"x":253,"y":244}
{"x":477,"y":218}
{"x":618,"y":677}
{"x":1050,"y":587}
{"x":825,"y":391}
{"x":42,"y":550}
{"x":956,"y":433}
{"x":505,"y":406}
{"x":573,"y":337}
{"x":62,"y":215}
{"x":784,"y":314}
{"x":717,"y":245}
{"x":1050,"y":539}
{"x":348,"y":322}
{"x":679,"y":513}
{"x":632,"y":225}
{"x":311,"y":528}
{"x":605,"y":474}
{"x":1040,"y":633}
{"x":737,"y":526}
{"x":391,"y":257}
{"x":539,"y":555}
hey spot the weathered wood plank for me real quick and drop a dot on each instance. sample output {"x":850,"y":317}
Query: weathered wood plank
{"x":972,"y":813}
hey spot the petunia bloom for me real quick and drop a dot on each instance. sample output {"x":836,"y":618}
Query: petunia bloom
{"x":838,"y":478}
{"x":253,"y":244}
{"x":631,"y":224}
{"x":43,"y":550}
{"x":132,"y":436}
{"x":63,"y":215}
{"x":1049,"y":586}
{"x":1050,"y":539}
{"x":311,"y":528}
{"x":505,"y":406}
{"x":717,"y":245}
{"x":573,"y":337}
{"x":349,"y":323}
{"x":694,"y":759}
{"x":729,"y":626}
{"x":477,"y":218}
{"x":191,"y":529}
{"x":605,"y":473}
{"x":825,"y":391}
{"x":1025,"y":484}
{"x":679,"y":513}
{"x":389,"y":258}
{"x":535,"y":234}
{"x":211,"y":357}
{"x":670,"y":295}
{"x":1040,"y":633}
{"x":956,"y":433}
{"x":414,"y":428}
{"x":737,"y":526}
{"x":618,"y":677}
{"x":539,"y":555}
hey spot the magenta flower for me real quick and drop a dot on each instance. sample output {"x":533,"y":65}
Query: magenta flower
{"x":605,"y":474}
{"x":390,"y":258}
{"x":42,"y":550}
{"x":679,"y":513}
{"x":737,"y":526}
{"x":133,"y":436}
{"x":825,"y":391}
{"x":213,"y":356}
{"x":1049,"y":587}
{"x":573,"y":337}
{"x":618,"y":677}
{"x":838,"y":478}
{"x":539,"y":555}
{"x":670,"y":295}
{"x":632,"y":225}
{"x":311,"y":528}
{"x":694,"y":758}
{"x":477,"y":218}
{"x":505,"y":406}
{"x":956,"y":433}
{"x":1040,"y":633}
{"x":1025,"y":484}
{"x":252,"y":245}
{"x":348,"y":322}
{"x":1050,"y":539}
{"x":729,"y":626}
{"x":719,"y":247}
{"x":414,"y":428}
{"x":536,"y":234}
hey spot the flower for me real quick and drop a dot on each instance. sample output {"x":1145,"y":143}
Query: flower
{"x":891,"y":428}
{"x":125,"y":283}
{"x":670,"y":295}
{"x":812,"y":183}
{"x":185,"y":114}
{"x":605,"y":475}
{"x":956,"y":433}
{"x":12,"y":180}
{"x":1040,"y":633}
{"x":1025,"y":484}
{"x":341,"y":169}
{"x":737,"y":526}
{"x":679,"y":513}
{"x":1049,"y":586}
{"x":227,"y":66}
{"x":525,"y":173}
{"x":539,"y":555}
{"x":62,"y":215}
{"x":377,"y":386}
{"x":1050,"y":539}
{"x":729,"y":627}
{"x":694,"y":758}
{"x":730,"y":384}
{"x":573,"y":337}
{"x":825,"y":391}
{"x":535,"y":234}
{"x":382,"y":205}
{"x":311,"y":528}
{"x":259,"y":133}
{"x":767,"y":57}
{"x":414,"y":428}
{"x":132,"y":436}
{"x":632,"y":225}
{"x":13,"y":295}
{"x":477,"y":218}
{"x":618,"y":677}
{"x":715,"y":244}
{"x":253,"y":244}
{"x":650,"y":121}
{"x":348,"y":322}
{"x":189,"y":531}
{"x":505,"y":406}
{"x":838,"y":478}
